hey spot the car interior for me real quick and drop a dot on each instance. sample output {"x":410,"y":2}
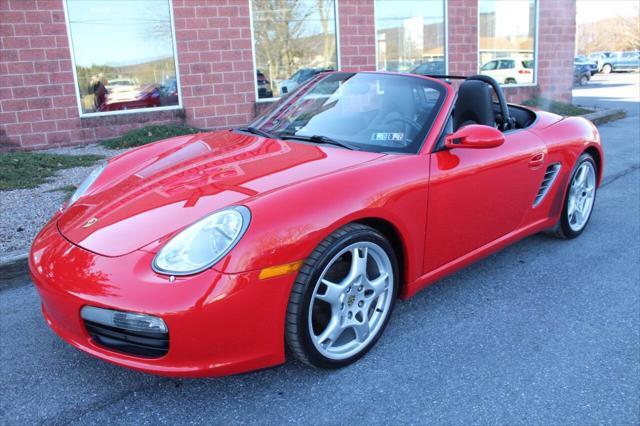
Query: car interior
{"x":476,"y":105}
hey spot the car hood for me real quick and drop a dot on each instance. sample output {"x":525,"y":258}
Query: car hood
{"x":155,"y":190}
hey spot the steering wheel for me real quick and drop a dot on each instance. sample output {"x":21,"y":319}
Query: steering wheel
{"x":507,"y":122}
{"x":404,"y":120}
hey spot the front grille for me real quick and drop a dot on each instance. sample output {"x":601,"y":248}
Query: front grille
{"x":137,"y":343}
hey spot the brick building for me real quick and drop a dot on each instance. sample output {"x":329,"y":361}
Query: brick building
{"x":75,"y":71}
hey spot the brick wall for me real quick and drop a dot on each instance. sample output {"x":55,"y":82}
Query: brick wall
{"x":216,"y":63}
{"x":38,"y":106}
{"x":556,"y":48}
{"x":357,"y":35}
{"x":556,"y":44}
{"x":463,"y":37}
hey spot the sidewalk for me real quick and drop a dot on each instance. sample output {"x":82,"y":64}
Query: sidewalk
{"x":23,"y":212}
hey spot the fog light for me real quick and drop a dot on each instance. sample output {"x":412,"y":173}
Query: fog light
{"x":126,"y":320}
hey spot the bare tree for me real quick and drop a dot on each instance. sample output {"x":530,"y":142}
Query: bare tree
{"x":618,"y":33}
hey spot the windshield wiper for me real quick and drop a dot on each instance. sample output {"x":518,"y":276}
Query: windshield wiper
{"x":256,"y":131}
{"x":317,"y":139}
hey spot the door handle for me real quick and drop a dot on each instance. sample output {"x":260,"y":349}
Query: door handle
{"x":536,"y":160}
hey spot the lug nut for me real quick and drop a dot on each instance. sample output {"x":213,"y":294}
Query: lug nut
{"x":360,"y":304}
{"x":350,"y":315}
{"x":360,"y":288}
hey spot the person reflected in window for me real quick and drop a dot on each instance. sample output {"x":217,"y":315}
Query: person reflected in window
{"x":99,"y":91}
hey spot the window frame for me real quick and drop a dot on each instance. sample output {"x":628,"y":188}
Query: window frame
{"x":83,"y":114}
{"x":535,"y":47}
{"x":445,"y":17}
{"x":253,"y":52}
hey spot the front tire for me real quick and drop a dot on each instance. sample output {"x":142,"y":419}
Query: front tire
{"x":579,"y":199}
{"x":342,"y":298}
{"x":607,"y":68}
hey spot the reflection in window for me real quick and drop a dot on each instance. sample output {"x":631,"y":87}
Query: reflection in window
{"x":123,"y":54}
{"x":293,"y":41}
{"x":410,"y":36}
{"x":507,"y":40}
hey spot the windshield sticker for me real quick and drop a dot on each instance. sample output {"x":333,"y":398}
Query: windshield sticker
{"x":385,"y":136}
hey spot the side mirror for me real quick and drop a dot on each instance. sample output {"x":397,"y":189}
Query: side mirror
{"x":474,"y":136}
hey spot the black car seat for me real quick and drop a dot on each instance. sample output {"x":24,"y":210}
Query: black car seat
{"x":474,"y":105}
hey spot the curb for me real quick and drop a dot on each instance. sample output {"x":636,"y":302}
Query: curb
{"x":13,"y":266}
{"x":605,"y":116}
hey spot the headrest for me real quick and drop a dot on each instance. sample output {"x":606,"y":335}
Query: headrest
{"x":474,"y":105}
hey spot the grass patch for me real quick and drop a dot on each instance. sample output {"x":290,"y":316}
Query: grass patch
{"x":147,"y":135}
{"x":67,"y":190}
{"x":22,"y":170}
{"x":560,"y":108}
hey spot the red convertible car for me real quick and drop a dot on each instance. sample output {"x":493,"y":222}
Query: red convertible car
{"x":211,"y":254}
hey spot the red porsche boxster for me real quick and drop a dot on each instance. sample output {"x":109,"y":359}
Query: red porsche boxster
{"x":210,"y":254}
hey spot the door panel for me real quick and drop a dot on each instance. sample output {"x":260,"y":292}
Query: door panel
{"x":479,"y":195}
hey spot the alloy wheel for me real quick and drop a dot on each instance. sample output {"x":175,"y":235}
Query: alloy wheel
{"x":581,"y":196}
{"x":351,"y":300}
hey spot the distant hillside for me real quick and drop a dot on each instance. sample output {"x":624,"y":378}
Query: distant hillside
{"x":620,"y":33}
{"x":155,"y":71}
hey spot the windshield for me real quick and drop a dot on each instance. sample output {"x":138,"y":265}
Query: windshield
{"x":368,"y":111}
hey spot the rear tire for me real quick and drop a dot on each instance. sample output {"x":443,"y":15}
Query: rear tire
{"x":510,"y":80}
{"x":342,"y":298}
{"x":584,"y":80}
{"x":580,"y":198}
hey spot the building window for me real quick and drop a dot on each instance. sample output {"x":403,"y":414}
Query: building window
{"x":292,"y":42}
{"x":411,"y":36}
{"x":123,"y":53}
{"x":507,"y":40}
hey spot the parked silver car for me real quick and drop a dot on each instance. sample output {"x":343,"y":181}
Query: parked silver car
{"x":616,"y":61}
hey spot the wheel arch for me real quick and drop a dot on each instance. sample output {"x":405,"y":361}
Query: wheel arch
{"x":391,"y":233}
{"x":597,"y":157}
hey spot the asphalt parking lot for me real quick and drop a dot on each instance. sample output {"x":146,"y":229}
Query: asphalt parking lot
{"x":616,"y":90}
{"x":544,"y":332}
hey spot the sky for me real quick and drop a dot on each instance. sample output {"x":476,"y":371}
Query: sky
{"x":394,"y":10}
{"x":594,"y":10}
{"x":108,"y":33}
{"x":511,"y":16}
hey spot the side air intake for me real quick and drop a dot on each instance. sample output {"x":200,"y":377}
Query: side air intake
{"x":549,"y":177}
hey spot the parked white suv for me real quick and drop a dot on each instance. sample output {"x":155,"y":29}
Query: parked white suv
{"x":509,"y":70}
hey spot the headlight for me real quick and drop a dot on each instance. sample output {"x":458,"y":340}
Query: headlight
{"x":93,"y":176}
{"x":202,"y":244}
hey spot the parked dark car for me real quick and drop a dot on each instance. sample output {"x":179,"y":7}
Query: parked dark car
{"x":581,"y":73}
{"x":593,"y":65}
{"x":264,"y":85}
{"x":169,"y":92}
{"x":430,"y":68}
{"x":299,"y":77}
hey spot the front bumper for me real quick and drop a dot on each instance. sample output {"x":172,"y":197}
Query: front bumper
{"x":218,"y":323}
